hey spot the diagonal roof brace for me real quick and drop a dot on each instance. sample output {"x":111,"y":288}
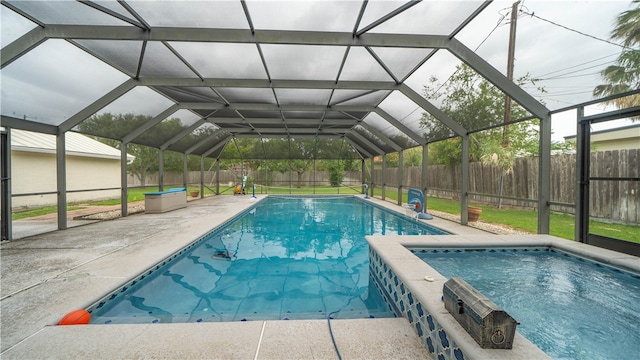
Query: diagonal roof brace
{"x":195,"y":146}
{"x":431,"y":109}
{"x":22,"y":45}
{"x":107,"y":99}
{"x":400,"y":126}
{"x":494,"y":76}
{"x":358,"y":148}
{"x":367,"y":142}
{"x":182,"y":134}
{"x":380,"y":135}
{"x":217,"y":146}
{"x":151,"y":123}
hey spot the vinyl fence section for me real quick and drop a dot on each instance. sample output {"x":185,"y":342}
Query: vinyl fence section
{"x":618,"y":201}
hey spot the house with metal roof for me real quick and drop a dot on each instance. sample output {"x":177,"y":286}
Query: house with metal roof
{"x":93,"y":168}
{"x":627,"y":137}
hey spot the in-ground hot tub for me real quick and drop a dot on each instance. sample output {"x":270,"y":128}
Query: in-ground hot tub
{"x":416,"y":288}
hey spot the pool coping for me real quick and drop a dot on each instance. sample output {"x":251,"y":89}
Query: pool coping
{"x":410,"y":271}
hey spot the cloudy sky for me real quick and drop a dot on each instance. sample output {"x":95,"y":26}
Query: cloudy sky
{"x":549,"y":48}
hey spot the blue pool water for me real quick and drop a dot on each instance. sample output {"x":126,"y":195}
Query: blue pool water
{"x":286,"y":258}
{"x":571,"y":308}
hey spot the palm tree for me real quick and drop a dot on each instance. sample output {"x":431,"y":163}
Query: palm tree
{"x":625,"y":74}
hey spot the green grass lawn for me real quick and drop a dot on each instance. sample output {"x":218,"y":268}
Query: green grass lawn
{"x":560,"y":225}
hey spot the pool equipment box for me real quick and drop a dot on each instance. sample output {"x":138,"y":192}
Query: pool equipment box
{"x":163,"y":201}
{"x":488,"y":325}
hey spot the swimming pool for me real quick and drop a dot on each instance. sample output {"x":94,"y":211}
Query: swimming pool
{"x":284,"y":258}
{"x":568,"y":306}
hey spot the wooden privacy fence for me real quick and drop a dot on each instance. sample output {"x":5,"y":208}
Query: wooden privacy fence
{"x":308,"y":178}
{"x":617,"y":201}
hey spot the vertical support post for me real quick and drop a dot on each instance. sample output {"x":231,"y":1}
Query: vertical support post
{"x":425,"y":175}
{"x":218,"y":176}
{"x":363,"y":176}
{"x":161,"y":170}
{"x":61,"y":180}
{"x":290,"y":176}
{"x":371,"y":187}
{"x":400,"y":176}
{"x":464,"y":181}
{"x":185,"y":174}
{"x":544,"y":176}
{"x":201,"y":176}
{"x":583,"y":163}
{"x":384,"y":173}
{"x":124,"y":190}
{"x":5,"y":192}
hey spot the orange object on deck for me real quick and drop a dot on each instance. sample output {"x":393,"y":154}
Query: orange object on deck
{"x":76,"y":317}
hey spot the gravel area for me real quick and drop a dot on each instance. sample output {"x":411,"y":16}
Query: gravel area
{"x":492,"y":228}
{"x":113,"y":214}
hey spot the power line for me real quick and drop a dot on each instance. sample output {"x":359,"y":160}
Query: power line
{"x":532,"y":14}
{"x":572,"y":72}
{"x":574,"y":66}
{"x":564,"y":93}
{"x":568,"y":77}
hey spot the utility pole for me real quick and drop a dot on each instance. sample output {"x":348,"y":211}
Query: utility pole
{"x":507,"y":99}
{"x":510,"y":58}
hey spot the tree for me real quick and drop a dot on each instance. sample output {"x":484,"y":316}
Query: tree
{"x":117,"y":126}
{"x":473,"y":102}
{"x":625,"y":74}
{"x":302,"y":153}
{"x":336,"y":172}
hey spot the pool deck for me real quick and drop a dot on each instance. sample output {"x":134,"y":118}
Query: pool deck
{"x":46,"y":276}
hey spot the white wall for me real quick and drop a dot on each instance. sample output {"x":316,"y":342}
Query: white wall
{"x":36,"y":172}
